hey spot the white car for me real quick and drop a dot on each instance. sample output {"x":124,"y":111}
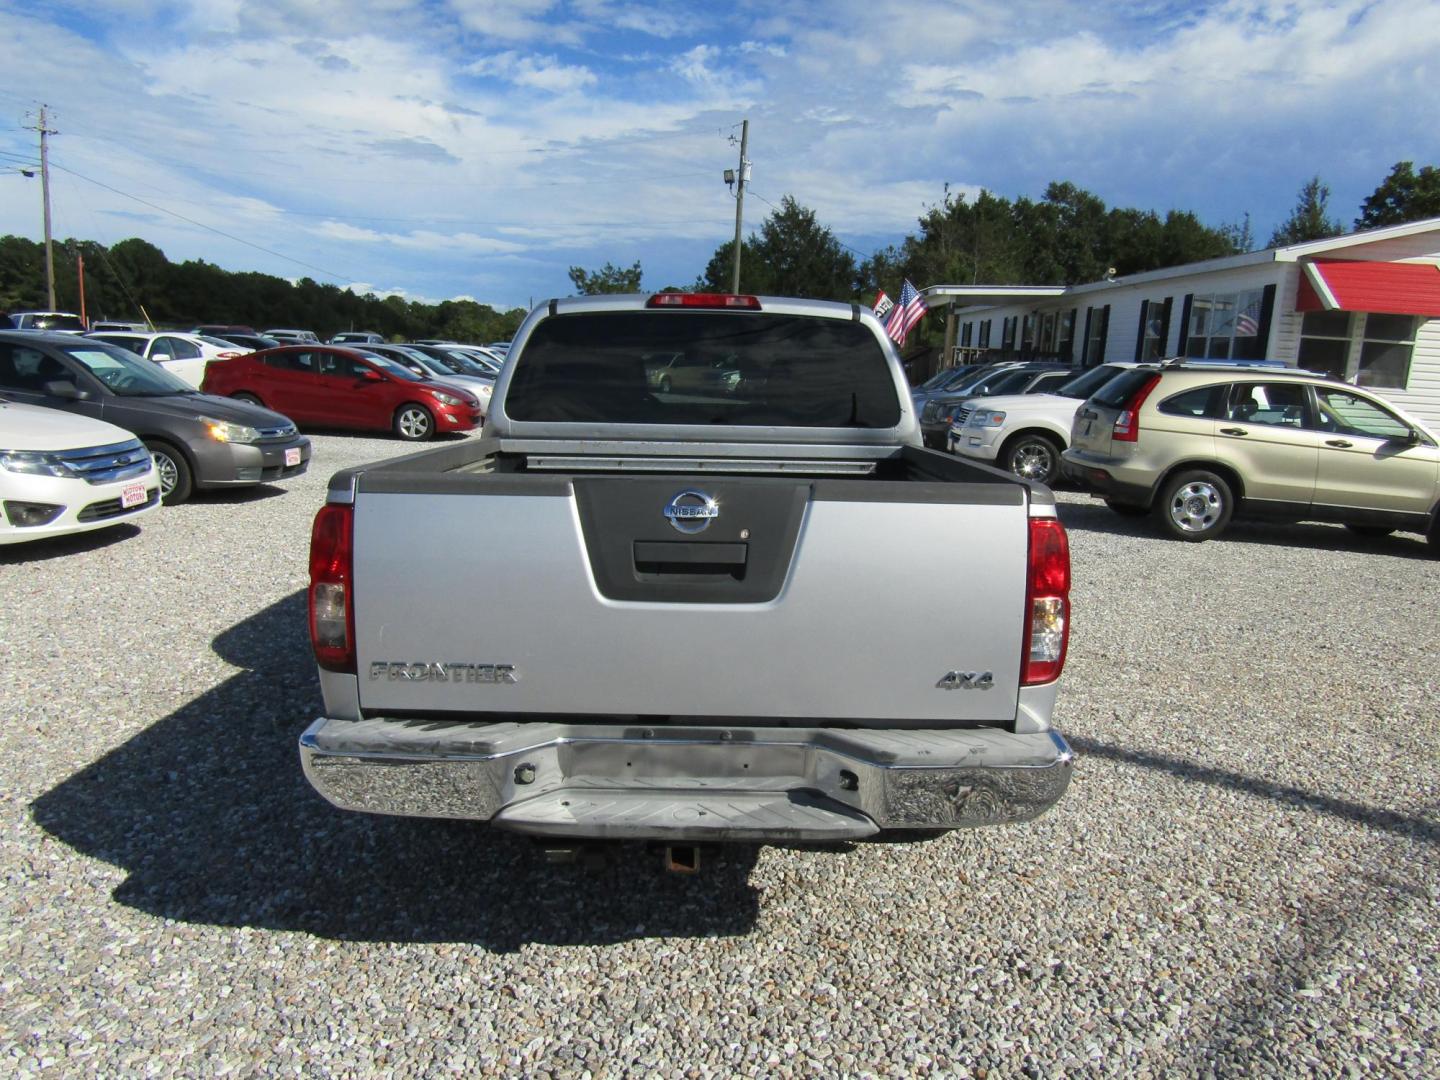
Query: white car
{"x":1026,"y":433}
{"x":184,"y":355}
{"x":61,"y":473}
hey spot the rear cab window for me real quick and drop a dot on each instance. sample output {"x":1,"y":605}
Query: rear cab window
{"x":752,"y":368}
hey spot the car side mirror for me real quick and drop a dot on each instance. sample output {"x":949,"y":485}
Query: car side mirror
{"x":1411,"y":437}
{"x":64,"y":389}
{"x":371,"y":375}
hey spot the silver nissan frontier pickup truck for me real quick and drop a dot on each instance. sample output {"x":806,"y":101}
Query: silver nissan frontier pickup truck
{"x":673,"y":593}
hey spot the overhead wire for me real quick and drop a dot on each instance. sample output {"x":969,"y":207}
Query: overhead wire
{"x":200,"y":224}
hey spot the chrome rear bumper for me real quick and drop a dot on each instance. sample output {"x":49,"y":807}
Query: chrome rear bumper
{"x":686,"y":784}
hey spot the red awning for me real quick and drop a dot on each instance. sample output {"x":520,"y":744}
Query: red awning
{"x":1383,"y":287}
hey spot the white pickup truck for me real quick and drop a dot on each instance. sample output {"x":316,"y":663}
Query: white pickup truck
{"x":688,"y":614}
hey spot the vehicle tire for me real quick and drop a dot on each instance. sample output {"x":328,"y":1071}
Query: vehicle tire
{"x":247,"y":397}
{"x":1127,"y":509}
{"x":1032,"y":457}
{"x":1373,"y":531}
{"x":1194,"y":505}
{"x":664,"y":384}
{"x":414,"y":423}
{"x":177,"y":482}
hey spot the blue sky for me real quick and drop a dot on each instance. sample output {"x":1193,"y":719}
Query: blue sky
{"x":482,"y":147}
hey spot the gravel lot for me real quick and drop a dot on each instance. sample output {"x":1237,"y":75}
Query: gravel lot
{"x":1243,"y":878}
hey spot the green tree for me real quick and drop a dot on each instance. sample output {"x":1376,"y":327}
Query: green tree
{"x":608,"y":279}
{"x":1310,"y":219}
{"x":792,"y":255}
{"x":1405,"y":195}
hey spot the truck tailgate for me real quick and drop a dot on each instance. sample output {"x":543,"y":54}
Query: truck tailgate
{"x":803,"y":600}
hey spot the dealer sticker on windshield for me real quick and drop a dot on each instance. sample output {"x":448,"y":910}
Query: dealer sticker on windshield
{"x":132,"y":495}
{"x":292,"y":456}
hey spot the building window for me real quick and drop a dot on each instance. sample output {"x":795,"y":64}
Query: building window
{"x":1007,"y":335}
{"x":984,"y":333}
{"x":1027,"y":335}
{"x":965,"y":334}
{"x":1097,"y":323}
{"x":1047,"y":333}
{"x":1226,"y":325}
{"x":1154,"y":330}
{"x":1385,"y":350}
{"x":1366,"y":349}
{"x":1065,"y":336}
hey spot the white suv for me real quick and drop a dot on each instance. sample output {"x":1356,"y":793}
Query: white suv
{"x":1026,"y":433}
{"x":61,"y":473}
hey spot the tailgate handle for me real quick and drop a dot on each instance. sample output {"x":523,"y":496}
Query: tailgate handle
{"x":672,"y":557}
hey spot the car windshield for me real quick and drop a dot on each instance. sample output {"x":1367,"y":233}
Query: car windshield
{"x":219,"y":343}
{"x":1082,"y":386}
{"x":465,"y":364}
{"x":392,"y":367}
{"x":125,"y":374}
{"x":59,"y":322}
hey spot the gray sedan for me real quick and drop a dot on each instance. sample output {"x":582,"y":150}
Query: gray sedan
{"x":197,"y":440}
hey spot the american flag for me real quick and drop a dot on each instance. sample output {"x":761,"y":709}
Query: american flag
{"x":906,"y":313}
{"x":882,"y":305}
{"x":1247,"y":323}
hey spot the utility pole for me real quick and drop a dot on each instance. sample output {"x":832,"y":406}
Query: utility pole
{"x":741,"y":176}
{"x":45,"y":133}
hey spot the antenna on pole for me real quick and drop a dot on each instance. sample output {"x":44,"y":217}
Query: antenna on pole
{"x":739,"y":177}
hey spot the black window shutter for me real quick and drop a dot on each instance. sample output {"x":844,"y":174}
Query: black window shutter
{"x":1104,"y":332}
{"x":1267,"y":313}
{"x":1085,"y":341}
{"x":1182,"y":340}
{"x":1140,"y":334}
{"x":1165,"y":324}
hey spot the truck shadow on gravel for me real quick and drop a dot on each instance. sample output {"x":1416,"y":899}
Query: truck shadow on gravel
{"x":209,"y":815}
{"x":1317,"y":536}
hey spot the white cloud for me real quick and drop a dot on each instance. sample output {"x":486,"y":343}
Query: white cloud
{"x":694,"y":64}
{"x":540,"y":72}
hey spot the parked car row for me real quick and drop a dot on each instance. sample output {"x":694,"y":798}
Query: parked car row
{"x":1197,"y":443}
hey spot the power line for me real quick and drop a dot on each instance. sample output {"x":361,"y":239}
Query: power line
{"x":842,"y":243}
{"x":202,"y":225}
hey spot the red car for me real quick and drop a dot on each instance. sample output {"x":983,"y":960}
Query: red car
{"x":322,"y":386}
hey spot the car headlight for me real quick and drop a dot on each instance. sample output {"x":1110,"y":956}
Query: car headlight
{"x":446,"y":399}
{"x":224,"y":431}
{"x":986,"y":418}
{"x":33,"y":463}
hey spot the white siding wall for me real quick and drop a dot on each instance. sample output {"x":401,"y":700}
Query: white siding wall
{"x":1421,"y":399}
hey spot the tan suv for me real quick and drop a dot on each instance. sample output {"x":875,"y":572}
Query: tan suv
{"x":1194,"y":445}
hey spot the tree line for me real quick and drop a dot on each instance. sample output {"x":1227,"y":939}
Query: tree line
{"x":133,"y":278}
{"x":1066,"y":237}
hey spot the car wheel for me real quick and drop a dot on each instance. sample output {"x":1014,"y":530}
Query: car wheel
{"x":1195,"y":505}
{"x":414,"y":423}
{"x":249,"y":398}
{"x":664,"y":384}
{"x":176,"y":480}
{"x":1127,"y":509}
{"x":1373,"y":531}
{"x":1033,"y":457}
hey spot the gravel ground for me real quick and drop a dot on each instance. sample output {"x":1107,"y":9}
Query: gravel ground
{"x":1243,"y":878}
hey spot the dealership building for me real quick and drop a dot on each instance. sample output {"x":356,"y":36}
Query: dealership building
{"x":1364,"y":308}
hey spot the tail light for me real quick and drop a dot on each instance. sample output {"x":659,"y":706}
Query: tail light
{"x":1047,"y":603}
{"x":703,"y":300}
{"x":332,"y":615}
{"x":1127,"y":424}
